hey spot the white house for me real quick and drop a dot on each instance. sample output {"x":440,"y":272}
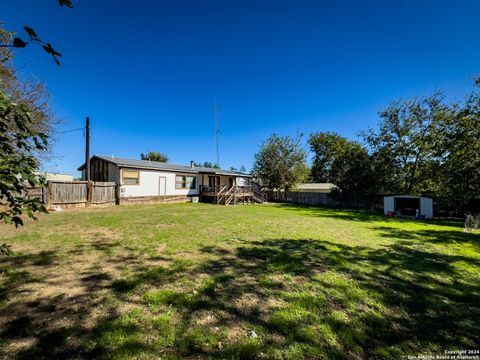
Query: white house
{"x":408,"y":205}
{"x":143,"y":181}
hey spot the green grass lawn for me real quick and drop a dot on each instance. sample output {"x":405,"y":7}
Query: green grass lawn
{"x":260,"y":281}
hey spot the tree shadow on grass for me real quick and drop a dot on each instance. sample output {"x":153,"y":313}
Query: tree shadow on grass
{"x":309,"y":298}
{"x":434,"y":304}
{"x":13,"y":272}
{"x":445,"y":237}
{"x":38,"y":314}
{"x":301,"y":298}
{"x":329,"y":212}
{"x":360,"y":215}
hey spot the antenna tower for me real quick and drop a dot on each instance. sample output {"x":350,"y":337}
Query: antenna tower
{"x":216,"y":110}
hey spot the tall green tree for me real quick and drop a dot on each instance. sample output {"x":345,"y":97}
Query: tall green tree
{"x":327,"y":147}
{"x":154,"y":156}
{"x":25,"y":125}
{"x":344,"y":163}
{"x":31,"y":94}
{"x":280,"y":164}
{"x":459,"y":170}
{"x":242,"y":169}
{"x":354,"y":177}
{"x":25,"y":121}
{"x":19,"y":140}
{"x":208,"y":164}
{"x":407,"y":143}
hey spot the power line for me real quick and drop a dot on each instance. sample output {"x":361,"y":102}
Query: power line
{"x":67,"y":131}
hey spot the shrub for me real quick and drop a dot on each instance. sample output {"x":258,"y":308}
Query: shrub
{"x":472,"y":221}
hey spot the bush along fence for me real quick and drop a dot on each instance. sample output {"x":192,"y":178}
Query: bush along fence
{"x":75,"y":194}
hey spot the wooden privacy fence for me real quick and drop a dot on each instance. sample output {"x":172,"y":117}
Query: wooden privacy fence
{"x":75,"y":193}
{"x":36,"y":193}
{"x":67,"y":193}
{"x":103,"y":193}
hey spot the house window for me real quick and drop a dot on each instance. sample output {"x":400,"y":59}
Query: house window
{"x":130,"y":177}
{"x":184,"y":182}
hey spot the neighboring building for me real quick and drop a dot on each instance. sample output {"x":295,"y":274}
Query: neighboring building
{"x":325,"y":188}
{"x":142,"y":181}
{"x":407,"y":205}
{"x":55,"y":176}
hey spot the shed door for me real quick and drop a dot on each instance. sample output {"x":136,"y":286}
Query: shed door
{"x":388,"y":204}
{"x":426,"y":207}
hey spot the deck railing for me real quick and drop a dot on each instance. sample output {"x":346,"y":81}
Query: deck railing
{"x":217,"y":189}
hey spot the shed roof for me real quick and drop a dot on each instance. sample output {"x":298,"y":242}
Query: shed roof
{"x":407,"y":196}
{"x":156,"y":165}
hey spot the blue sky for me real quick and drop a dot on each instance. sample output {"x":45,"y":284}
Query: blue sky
{"x":148,"y":72}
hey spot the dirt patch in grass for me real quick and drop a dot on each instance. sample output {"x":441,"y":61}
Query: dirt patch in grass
{"x":206,"y":318}
{"x":59,"y":294}
{"x":161,"y":248}
{"x":101,"y":233}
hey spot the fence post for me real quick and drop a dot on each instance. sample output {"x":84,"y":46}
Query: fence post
{"x":48,"y":195}
{"x":117,"y":193}
{"x":89,"y":193}
{"x":44,"y":195}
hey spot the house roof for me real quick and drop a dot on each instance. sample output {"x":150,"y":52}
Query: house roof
{"x":316,"y":186}
{"x":156,"y":165}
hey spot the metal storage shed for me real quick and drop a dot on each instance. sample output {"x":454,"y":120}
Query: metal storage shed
{"x":407,"y":205}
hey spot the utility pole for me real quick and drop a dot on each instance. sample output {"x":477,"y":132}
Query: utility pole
{"x":216,"y":109}
{"x":87,"y":149}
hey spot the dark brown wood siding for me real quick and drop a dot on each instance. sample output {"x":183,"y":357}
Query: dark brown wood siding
{"x":99,"y":170}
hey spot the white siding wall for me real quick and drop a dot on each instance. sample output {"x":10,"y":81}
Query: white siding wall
{"x":388,"y":204}
{"x":149,"y":185}
{"x":242,"y":181}
{"x":426,"y":207}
